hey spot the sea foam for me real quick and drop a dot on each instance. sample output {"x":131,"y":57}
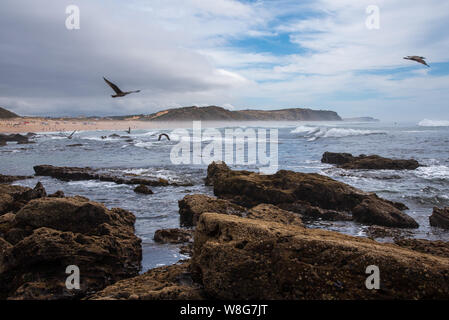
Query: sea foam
{"x":433,"y":123}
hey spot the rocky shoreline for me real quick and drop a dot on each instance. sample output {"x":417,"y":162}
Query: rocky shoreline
{"x":248,"y":242}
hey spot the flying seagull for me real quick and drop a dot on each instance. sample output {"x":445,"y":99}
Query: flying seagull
{"x":417,"y":59}
{"x":163,"y":135}
{"x":118,"y":92}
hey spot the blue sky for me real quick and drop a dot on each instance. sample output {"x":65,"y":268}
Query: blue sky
{"x":263,"y":54}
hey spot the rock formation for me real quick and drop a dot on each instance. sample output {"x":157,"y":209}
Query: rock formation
{"x":240,"y":258}
{"x":41,"y":236}
{"x":77,"y":174}
{"x":309,"y":194}
{"x":440,"y":218}
{"x":143,"y":189}
{"x":348,"y":161}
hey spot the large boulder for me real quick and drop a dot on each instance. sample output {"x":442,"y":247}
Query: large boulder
{"x":300,"y":192}
{"x":13,"y":198}
{"x":348,"y":161}
{"x":191,"y":207}
{"x":239,"y":258}
{"x":440,"y":218}
{"x":49,"y":234}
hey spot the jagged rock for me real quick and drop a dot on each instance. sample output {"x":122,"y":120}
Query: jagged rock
{"x":246,"y":259}
{"x":295,"y":191}
{"x":173,"y":235}
{"x":78,"y":174}
{"x":348,"y":161}
{"x":49,"y":234}
{"x":440,"y":218}
{"x":165,"y":283}
{"x":143,"y":189}
{"x":192,"y":206}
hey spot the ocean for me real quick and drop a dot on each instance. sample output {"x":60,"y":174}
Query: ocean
{"x":300,"y":147}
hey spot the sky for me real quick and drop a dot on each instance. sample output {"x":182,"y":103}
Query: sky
{"x":259,"y":54}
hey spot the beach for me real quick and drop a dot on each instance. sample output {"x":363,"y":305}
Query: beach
{"x":24,"y":125}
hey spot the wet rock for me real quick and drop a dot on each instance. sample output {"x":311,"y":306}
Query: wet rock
{"x":306,"y":193}
{"x":440,"y":218}
{"x":9,"y":179}
{"x":14,"y":138}
{"x":348,"y":161}
{"x":80,"y":174}
{"x":336,"y":158}
{"x":114,"y":135}
{"x":49,"y":234}
{"x":173,"y":236}
{"x":143,"y":189}
{"x":239,"y":258}
{"x":192,"y":206}
{"x":165,"y":283}
{"x":372,"y":211}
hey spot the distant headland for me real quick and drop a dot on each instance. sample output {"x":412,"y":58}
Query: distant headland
{"x":215,"y":113}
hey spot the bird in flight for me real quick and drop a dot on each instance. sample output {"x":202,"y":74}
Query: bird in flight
{"x":417,"y":59}
{"x":118,"y":92}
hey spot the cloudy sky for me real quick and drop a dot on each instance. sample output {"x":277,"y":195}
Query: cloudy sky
{"x":265,"y":54}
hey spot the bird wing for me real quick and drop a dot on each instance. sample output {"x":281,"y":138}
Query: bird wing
{"x":113,"y":86}
{"x":420,"y":60}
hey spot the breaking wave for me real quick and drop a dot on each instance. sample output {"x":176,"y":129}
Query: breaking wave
{"x":314,"y":133}
{"x":433,"y":123}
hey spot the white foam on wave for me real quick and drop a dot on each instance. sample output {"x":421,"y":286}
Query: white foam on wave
{"x":433,"y":172}
{"x":304,"y":129}
{"x":433,"y":123}
{"x":314,"y":133}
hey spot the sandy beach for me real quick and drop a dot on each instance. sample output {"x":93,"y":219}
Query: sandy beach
{"x":24,"y":125}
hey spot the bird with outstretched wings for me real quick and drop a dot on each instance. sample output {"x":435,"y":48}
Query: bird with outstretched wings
{"x":118,"y":92}
{"x":417,"y":59}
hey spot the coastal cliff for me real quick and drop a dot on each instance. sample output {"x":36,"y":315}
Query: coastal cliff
{"x":6,"y":114}
{"x":214,"y":113}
